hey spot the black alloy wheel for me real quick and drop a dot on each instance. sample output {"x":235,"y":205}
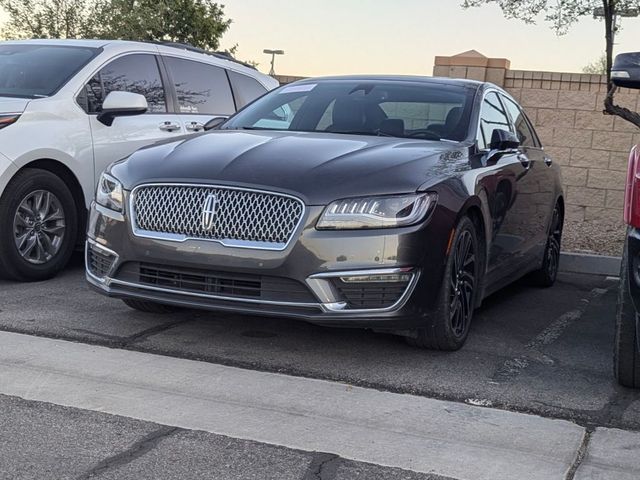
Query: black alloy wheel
{"x":463,"y":280}
{"x":449,"y":327}
{"x":546,"y":276}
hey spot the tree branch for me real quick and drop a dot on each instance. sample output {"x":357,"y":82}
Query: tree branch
{"x":612,"y":109}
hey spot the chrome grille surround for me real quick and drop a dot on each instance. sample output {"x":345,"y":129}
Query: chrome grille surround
{"x":245,"y":218}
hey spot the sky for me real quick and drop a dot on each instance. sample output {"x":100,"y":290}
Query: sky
{"x":326,"y":37}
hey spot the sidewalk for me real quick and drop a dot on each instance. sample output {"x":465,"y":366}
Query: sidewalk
{"x":358,"y":425}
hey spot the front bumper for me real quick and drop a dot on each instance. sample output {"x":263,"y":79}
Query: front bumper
{"x":307,"y":279}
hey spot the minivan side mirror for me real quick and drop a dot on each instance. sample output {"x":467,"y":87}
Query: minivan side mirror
{"x":214,"y":123}
{"x":502,"y":140}
{"x":625,"y":71}
{"x":122,"y":104}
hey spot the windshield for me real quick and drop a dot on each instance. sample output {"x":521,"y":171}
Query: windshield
{"x":422,"y":110}
{"x":32,"y":71}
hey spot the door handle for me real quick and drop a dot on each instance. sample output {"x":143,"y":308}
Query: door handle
{"x":194,"y":126}
{"x":547,"y":161}
{"x":524,"y":160}
{"x":169,"y":126}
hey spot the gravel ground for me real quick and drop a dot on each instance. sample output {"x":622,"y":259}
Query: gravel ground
{"x":597,"y":236}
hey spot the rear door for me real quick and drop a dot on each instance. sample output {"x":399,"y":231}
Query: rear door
{"x":203,"y":91}
{"x":137,"y":73}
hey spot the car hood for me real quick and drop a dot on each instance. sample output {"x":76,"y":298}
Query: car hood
{"x":13,"y":105}
{"x":317,"y":167}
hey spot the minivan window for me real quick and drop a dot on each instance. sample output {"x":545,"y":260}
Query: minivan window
{"x":245,"y":89}
{"x":131,"y":73}
{"x":201,"y":88}
{"x":33,"y":71}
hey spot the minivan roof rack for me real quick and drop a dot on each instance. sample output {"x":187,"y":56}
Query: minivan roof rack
{"x":191,"y":48}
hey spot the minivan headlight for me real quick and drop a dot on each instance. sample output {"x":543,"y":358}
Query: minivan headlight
{"x":377,"y":212}
{"x":109,"y":192}
{"x":6,"y":120}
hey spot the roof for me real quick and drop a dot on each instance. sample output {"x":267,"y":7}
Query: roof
{"x":70,"y":42}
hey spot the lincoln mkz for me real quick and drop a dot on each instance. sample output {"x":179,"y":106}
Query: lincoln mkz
{"x":391,"y":203}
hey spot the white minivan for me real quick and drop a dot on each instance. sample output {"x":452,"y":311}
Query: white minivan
{"x":68,"y":108}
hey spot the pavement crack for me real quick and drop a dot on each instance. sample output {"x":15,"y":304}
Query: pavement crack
{"x":580,"y":454}
{"x":323,"y":466}
{"x":137,"y":450}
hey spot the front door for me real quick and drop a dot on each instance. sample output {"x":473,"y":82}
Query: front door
{"x":508,"y":185}
{"x":137,"y":73}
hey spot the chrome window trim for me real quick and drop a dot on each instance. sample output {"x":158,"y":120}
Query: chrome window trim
{"x":278,"y":247}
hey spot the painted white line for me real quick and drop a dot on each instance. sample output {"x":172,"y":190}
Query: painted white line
{"x":612,"y":455}
{"x":410,"y":432}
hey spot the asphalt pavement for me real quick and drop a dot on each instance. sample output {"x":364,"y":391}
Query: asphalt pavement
{"x":547,"y":353}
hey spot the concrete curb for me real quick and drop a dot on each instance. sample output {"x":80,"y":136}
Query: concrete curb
{"x":591,"y":264}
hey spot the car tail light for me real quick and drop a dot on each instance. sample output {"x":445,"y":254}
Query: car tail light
{"x":6,"y":120}
{"x":632,"y":190}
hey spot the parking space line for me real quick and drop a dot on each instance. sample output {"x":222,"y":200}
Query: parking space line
{"x":512,"y":367}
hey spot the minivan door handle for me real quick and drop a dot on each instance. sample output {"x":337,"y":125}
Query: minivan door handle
{"x":169,"y":126}
{"x":524,"y":160}
{"x":194,"y":126}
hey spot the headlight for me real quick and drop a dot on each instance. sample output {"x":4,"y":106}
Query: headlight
{"x":109,"y":193}
{"x":377,"y":212}
{"x":6,"y":120}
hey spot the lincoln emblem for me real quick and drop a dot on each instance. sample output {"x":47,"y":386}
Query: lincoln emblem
{"x":209,"y":212}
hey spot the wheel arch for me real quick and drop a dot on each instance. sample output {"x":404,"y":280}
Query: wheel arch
{"x":63,"y":172}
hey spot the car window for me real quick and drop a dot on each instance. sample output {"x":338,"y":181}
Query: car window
{"x":245,"y":88}
{"x":201,"y":88}
{"x":492,"y":117}
{"x":523,"y":130}
{"x":132,"y":73}
{"x":421,"y":110}
{"x":35,"y":71}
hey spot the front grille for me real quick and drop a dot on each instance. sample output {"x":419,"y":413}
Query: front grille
{"x":99,"y":262}
{"x":226,"y":284}
{"x":370,"y":295}
{"x":244,"y":218}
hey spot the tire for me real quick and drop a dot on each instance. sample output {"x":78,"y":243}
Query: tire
{"x":448,"y":328}
{"x":149,"y":307}
{"x":32,"y":196}
{"x":546,"y":276}
{"x":626,"y":357}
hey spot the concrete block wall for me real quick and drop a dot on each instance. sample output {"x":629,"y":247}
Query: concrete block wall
{"x":567,"y":112}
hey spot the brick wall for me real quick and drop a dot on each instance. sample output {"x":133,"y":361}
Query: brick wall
{"x":592,"y":148}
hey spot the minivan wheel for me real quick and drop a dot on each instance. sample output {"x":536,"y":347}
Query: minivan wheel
{"x":149,"y":307}
{"x":38,"y":226}
{"x":626,"y":355}
{"x":449,"y":327}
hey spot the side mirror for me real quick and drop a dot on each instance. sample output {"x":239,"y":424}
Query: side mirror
{"x":214,"y":123}
{"x":122,"y":104}
{"x":625,"y":71}
{"x":502,"y":140}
